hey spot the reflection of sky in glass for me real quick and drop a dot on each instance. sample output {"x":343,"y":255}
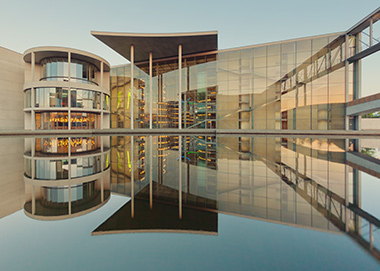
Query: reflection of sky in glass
{"x":241,"y":244}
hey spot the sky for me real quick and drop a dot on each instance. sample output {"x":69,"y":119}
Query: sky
{"x":25,"y":24}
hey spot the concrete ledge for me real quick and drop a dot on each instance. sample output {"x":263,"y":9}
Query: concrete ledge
{"x":211,"y":132}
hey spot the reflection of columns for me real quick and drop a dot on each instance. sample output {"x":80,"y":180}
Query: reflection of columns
{"x":132,"y":85}
{"x":102,"y":188}
{"x":150,"y":93}
{"x":33,"y":201}
{"x":132,"y":180}
{"x":346,"y":197}
{"x":151,"y":173}
{"x":101,"y":96}
{"x":356,"y":178}
{"x":180,"y":175}
{"x":69,"y":199}
{"x":180,"y":86}
{"x":370,"y":236}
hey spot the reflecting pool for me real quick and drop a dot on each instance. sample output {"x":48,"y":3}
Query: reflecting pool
{"x":189,"y":203}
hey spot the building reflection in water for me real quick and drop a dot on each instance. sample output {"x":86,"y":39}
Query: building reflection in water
{"x":180,"y":183}
{"x":65,"y":176}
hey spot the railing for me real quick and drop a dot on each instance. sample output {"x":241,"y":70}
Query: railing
{"x":66,"y":79}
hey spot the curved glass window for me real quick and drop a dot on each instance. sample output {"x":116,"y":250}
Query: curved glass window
{"x":52,"y":120}
{"x":85,"y":166}
{"x":28,"y":168}
{"x":28,"y":99}
{"x":51,"y":97}
{"x":106,"y":161}
{"x":59,"y":169}
{"x":83,"y":144}
{"x":61,"y":144}
{"x":85,"y":191}
{"x":52,"y":169}
{"x":106,"y":102}
{"x":57,"y":69}
{"x":82,"y":98}
{"x":60,"y":120}
{"x":85,"y":120}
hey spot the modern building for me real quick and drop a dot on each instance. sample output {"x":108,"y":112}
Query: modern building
{"x":65,"y":89}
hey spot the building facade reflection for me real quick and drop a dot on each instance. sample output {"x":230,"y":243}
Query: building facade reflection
{"x":303,"y":182}
{"x":66,"y":177}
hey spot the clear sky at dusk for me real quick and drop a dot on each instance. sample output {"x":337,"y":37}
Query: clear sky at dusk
{"x":26,"y":24}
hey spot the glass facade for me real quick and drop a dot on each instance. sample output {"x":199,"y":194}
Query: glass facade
{"x":122,"y":100}
{"x":51,"y":97}
{"x":59,"y":120}
{"x":288,"y":85}
{"x":59,"y":169}
{"x":274,"y":179}
{"x":88,"y":99}
{"x":61,"y":144}
{"x":57,"y":69}
{"x":28,"y":98}
{"x":61,"y":194}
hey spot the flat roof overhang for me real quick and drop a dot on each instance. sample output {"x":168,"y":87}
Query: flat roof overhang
{"x":161,"y":45}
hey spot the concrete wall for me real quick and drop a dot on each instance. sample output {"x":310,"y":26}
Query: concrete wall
{"x":11,"y":86}
{"x":370,"y":124}
{"x":11,"y":178}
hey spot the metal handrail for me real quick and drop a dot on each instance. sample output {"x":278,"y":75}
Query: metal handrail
{"x":66,"y":79}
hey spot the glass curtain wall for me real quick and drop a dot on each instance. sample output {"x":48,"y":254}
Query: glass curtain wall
{"x":122,"y":100}
{"x":289,"y":85}
{"x":57,"y":69}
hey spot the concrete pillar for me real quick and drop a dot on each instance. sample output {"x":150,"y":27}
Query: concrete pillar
{"x":132,"y":180}
{"x":150,"y":91}
{"x":179,"y":86}
{"x":132,"y":85}
{"x":151,"y":173}
{"x":101,"y":73}
{"x":180,"y":175}
{"x":69,"y":65}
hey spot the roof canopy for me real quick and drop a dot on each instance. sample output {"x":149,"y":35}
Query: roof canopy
{"x":161,"y":45}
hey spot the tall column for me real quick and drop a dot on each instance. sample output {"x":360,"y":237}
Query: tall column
{"x":132,"y":180}
{"x":346,"y":79}
{"x":151,"y":173}
{"x":69,"y":111}
{"x":150,"y":91}
{"x":33,"y":112}
{"x":180,"y":86}
{"x":33,"y":118}
{"x":69,"y":68}
{"x":180,"y":175}
{"x":101,"y":73}
{"x":132,"y":84}
{"x":33,"y":60}
{"x":371,"y":32}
